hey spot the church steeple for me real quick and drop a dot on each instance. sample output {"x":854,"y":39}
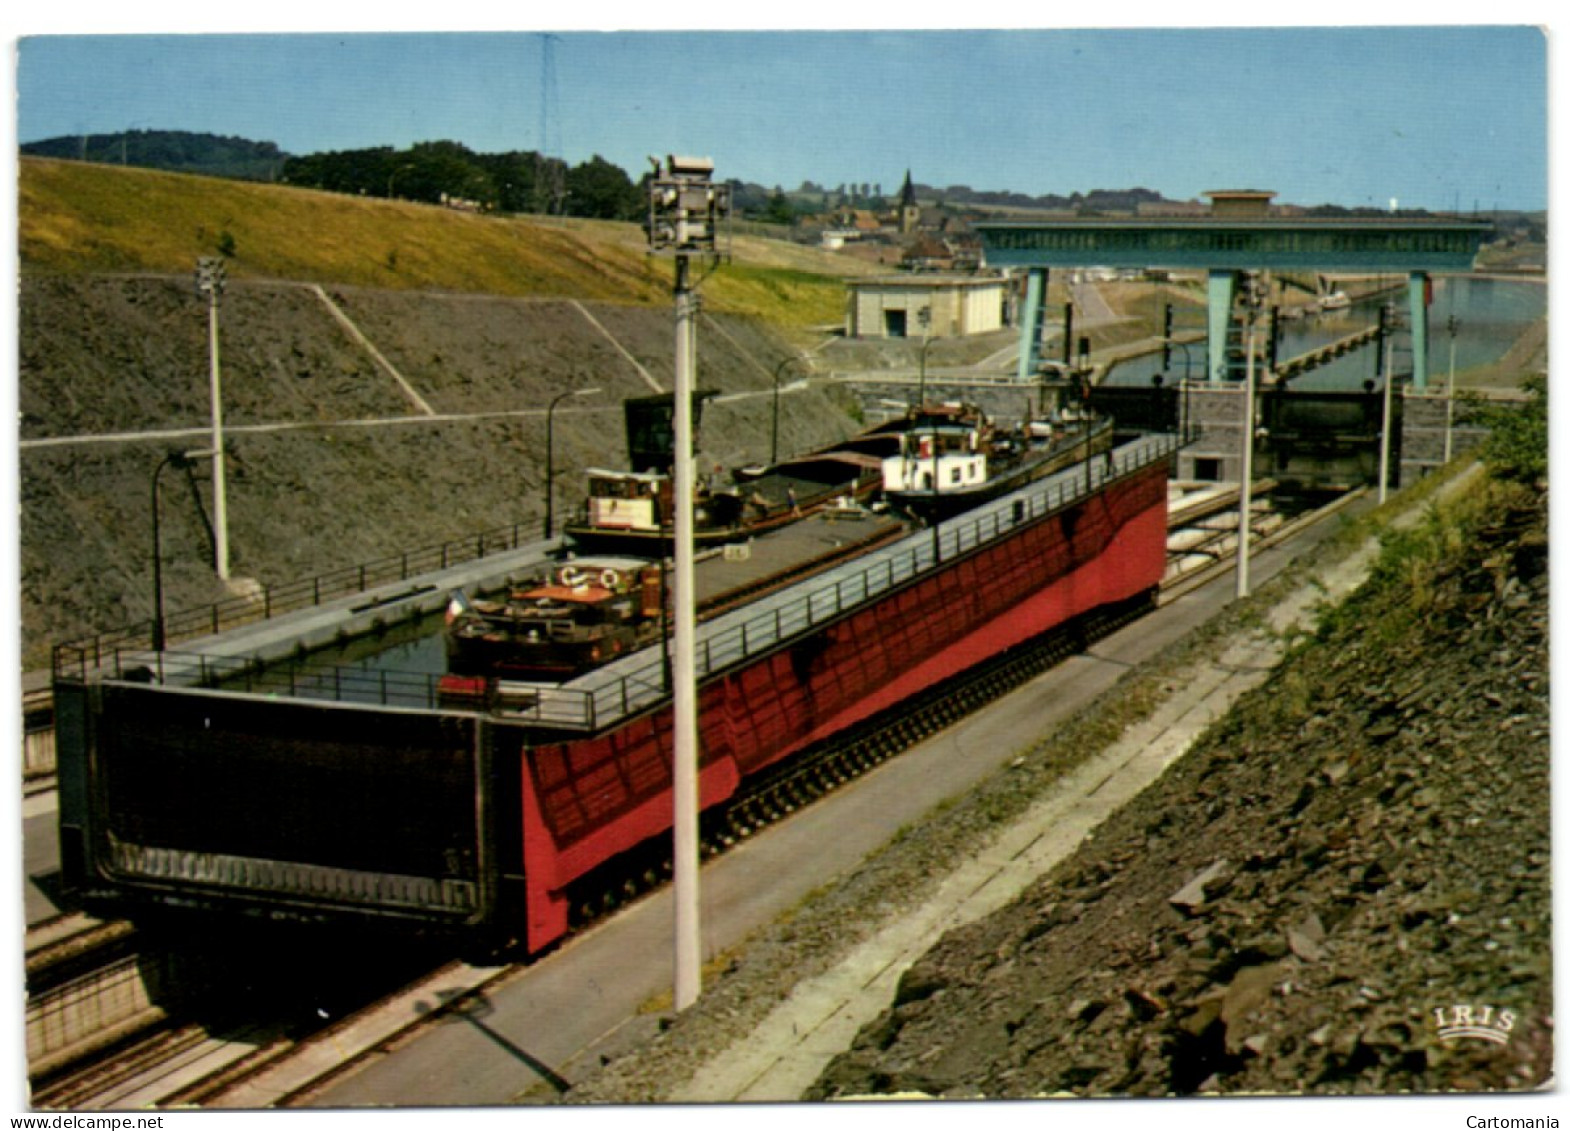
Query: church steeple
{"x":909,"y":210}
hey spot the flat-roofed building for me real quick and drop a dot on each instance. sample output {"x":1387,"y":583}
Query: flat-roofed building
{"x":914,"y":306}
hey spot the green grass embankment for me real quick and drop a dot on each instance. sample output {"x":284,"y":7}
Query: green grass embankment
{"x":84,"y":218}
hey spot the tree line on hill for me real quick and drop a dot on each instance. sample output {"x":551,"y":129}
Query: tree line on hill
{"x":448,"y":172}
{"x":436,"y":172}
{"x":171,"y":150}
{"x":1097,"y":200}
{"x":433,"y":172}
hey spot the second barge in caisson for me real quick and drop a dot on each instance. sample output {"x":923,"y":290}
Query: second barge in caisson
{"x":182,"y":792}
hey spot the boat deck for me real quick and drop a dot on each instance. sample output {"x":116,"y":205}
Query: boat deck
{"x":600,"y":697}
{"x":788,"y":552}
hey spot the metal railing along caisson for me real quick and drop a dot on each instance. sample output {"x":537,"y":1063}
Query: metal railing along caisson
{"x":269,"y":601}
{"x":636,"y":683}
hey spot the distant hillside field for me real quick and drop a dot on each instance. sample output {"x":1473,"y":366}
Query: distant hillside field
{"x":78,"y":217}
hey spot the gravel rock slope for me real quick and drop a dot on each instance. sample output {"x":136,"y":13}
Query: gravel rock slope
{"x":128,"y":356}
{"x":1348,"y":868}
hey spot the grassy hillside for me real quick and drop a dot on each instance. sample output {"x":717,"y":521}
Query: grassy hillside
{"x":84,"y":218}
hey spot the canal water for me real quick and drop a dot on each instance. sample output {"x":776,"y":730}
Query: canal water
{"x":421,"y":648}
{"x":1491,"y":314}
{"x":357,"y":670}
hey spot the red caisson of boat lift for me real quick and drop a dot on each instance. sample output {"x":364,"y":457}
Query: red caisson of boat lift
{"x":587,"y":800}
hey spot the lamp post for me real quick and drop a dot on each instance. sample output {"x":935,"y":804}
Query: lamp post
{"x":550,"y":455}
{"x":123,"y":136}
{"x":210,"y":282}
{"x":180,"y":461}
{"x":1188,"y":375}
{"x":1082,"y":383}
{"x":924,"y":316}
{"x":774,"y":429}
{"x":1451,"y":324}
{"x":686,"y":208}
{"x":1386,"y":407}
{"x":1252,"y":297}
{"x":1188,"y":358}
{"x":921,"y":379}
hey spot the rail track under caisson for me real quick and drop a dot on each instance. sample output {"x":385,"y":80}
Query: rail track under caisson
{"x":207,"y":1008}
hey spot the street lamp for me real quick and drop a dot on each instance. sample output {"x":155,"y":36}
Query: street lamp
{"x":1188,"y":376}
{"x":550,"y":454}
{"x":921,"y":406}
{"x":1386,"y":407}
{"x":921,"y":380}
{"x":181,"y":461}
{"x":1451,"y":324}
{"x":210,"y":281}
{"x":686,"y":210}
{"x":774,"y":430}
{"x":1188,"y":358}
{"x":923,"y":316}
{"x":124,"y":134}
{"x":1253,"y":295}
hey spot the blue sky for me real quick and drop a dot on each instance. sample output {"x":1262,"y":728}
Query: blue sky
{"x":1435,"y":117}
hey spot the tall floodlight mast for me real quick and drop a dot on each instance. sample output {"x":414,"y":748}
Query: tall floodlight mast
{"x":550,"y":186}
{"x":686,"y":213}
{"x":210,"y":282}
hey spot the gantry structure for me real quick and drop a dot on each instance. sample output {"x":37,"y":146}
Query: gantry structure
{"x":1239,"y":235}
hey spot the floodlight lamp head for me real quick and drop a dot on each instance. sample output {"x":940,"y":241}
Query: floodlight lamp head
{"x":210,"y":276}
{"x":686,"y":207}
{"x":700,"y":167}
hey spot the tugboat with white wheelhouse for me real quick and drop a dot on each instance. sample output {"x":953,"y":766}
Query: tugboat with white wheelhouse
{"x":951,"y":457}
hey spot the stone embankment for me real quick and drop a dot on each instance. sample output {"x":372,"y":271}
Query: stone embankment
{"x":1351,"y":867}
{"x":357,"y":428}
{"x":1345,"y":865}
